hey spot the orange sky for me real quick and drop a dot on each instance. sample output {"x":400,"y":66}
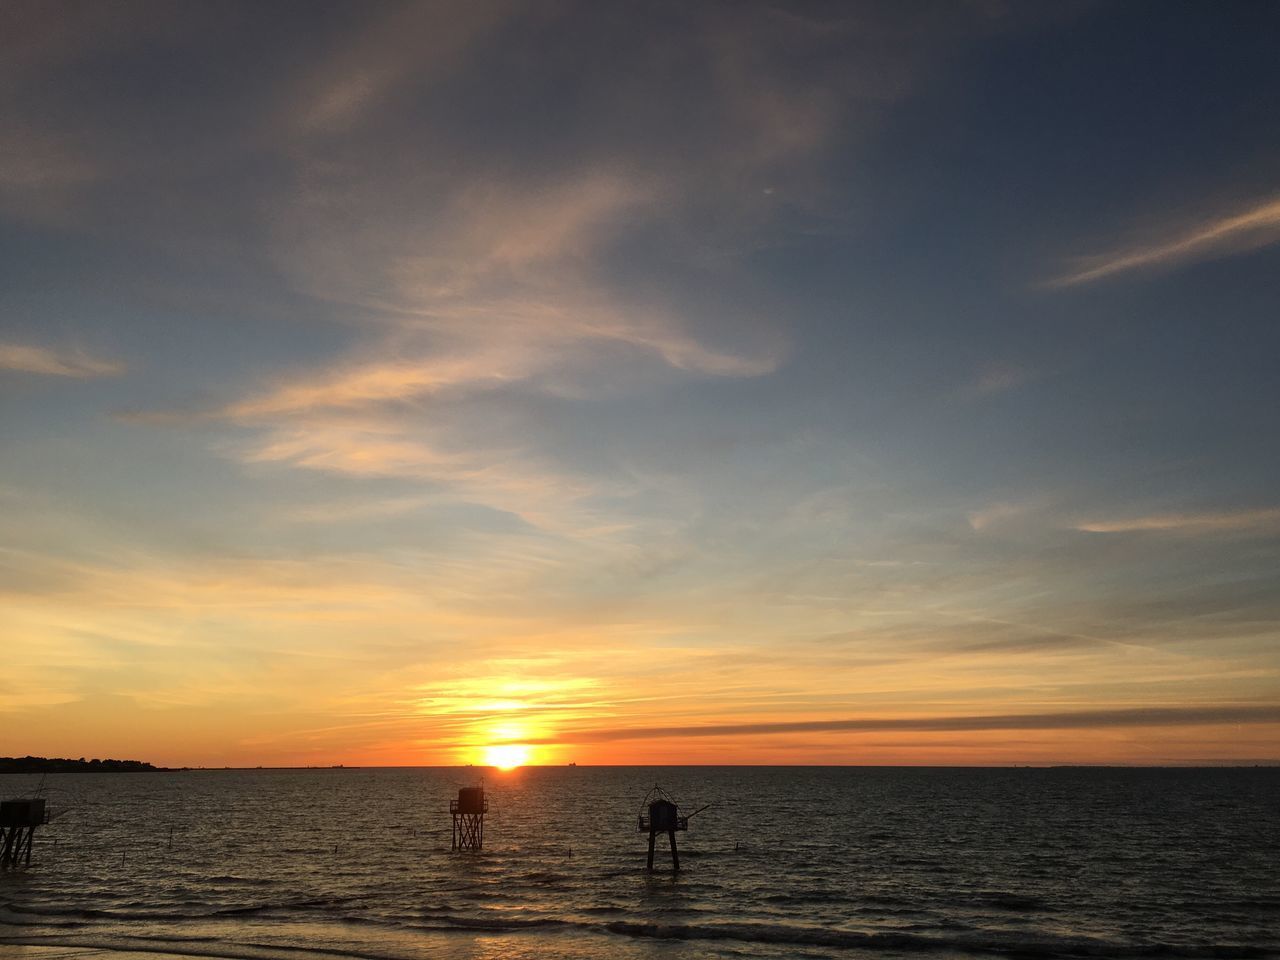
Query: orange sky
{"x":744,"y":383}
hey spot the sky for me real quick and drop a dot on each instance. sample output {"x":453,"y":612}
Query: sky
{"x":598,"y":382}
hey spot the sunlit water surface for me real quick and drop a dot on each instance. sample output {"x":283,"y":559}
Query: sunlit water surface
{"x":786,"y":862}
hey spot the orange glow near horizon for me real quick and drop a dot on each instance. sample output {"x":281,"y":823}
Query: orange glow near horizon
{"x":504,"y":748}
{"x":507,"y":756}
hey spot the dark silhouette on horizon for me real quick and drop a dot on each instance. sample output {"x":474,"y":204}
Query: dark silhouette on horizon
{"x":62,"y":765}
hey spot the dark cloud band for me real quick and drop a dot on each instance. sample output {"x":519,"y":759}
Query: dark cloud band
{"x":1079,"y":720}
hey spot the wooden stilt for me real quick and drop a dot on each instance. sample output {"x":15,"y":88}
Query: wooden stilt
{"x":15,"y":845}
{"x":653,"y":835}
{"x":18,"y":822}
{"x":675,"y":854}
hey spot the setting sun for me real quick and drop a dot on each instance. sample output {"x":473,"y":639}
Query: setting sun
{"x":506,"y":756}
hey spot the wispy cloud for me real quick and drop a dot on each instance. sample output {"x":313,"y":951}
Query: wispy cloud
{"x":1266,"y":519}
{"x":416,"y":42}
{"x":496,"y":303}
{"x":999,"y":378}
{"x":510,"y":479}
{"x":995,"y":513}
{"x":35,"y":161}
{"x":1257,"y":226}
{"x":481,"y":287}
{"x":371,"y":383}
{"x":56,"y":363}
{"x":353,"y":511}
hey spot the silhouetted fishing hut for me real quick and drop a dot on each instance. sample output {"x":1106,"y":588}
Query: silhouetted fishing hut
{"x":468,"y":818}
{"x":661,"y":814}
{"x":18,"y":822}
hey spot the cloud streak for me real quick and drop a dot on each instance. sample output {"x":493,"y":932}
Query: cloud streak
{"x":77,"y":364}
{"x":421,"y":39}
{"x":1258,"y":226}
{"x":1078,"y":720}
{"x":1189,"y":523}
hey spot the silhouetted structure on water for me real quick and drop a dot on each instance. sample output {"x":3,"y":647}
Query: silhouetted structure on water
{"x":18,"y":822}
{"x":468,"y":818}
{"x":663,"y":816}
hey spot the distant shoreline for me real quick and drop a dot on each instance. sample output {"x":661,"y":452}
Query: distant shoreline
{"x":65,"y":765}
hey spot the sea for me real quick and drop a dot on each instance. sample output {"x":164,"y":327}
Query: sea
{"x":806,"y":862}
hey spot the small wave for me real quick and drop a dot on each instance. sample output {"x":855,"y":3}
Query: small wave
{"x":195,"y":911}
{"x":812,"y":896}
{"x":51,"y":916}
{"x":542,"y":877}
{"x":990,"y":942}
{"x":324,"y":904}
{"x":765,"y":933}
{"x":491,"y":924}
{"x":1009,"y":901}
{"x":14,"y":920}
{"x":216,"y":949}
{"x":226,"y":880}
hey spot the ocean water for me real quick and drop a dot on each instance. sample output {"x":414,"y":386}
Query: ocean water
{"x":786,"y":862}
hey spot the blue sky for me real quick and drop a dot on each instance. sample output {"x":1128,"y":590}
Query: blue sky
{"x":381,"y":383}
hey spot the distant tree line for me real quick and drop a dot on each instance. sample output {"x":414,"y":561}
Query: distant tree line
{"x":60,"y":765}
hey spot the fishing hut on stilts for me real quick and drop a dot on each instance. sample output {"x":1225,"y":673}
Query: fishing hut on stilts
{"x":468,"y":818}
{"x":660,"y":814}
{"x":18,"y":822}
